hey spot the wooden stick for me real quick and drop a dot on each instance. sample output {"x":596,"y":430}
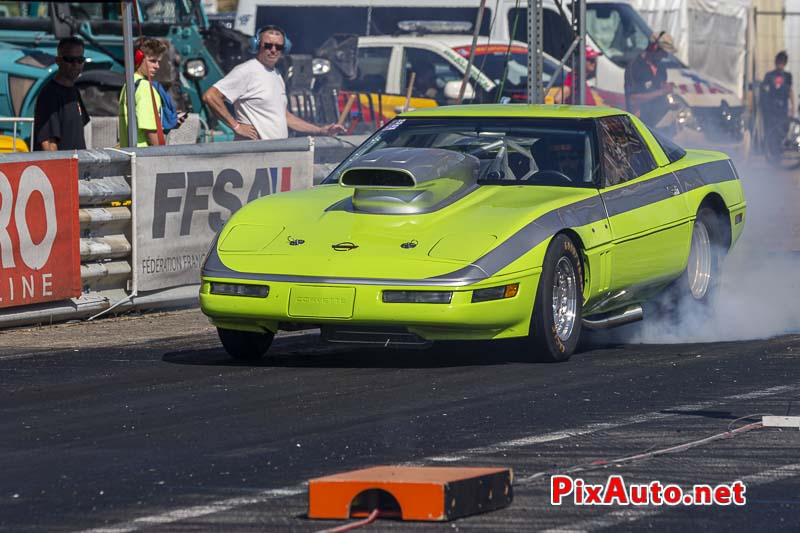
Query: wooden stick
{"x":346,"y":111}
{"x":408,"y":91}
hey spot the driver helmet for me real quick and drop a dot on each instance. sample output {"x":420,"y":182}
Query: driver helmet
{"x":591,"y":53}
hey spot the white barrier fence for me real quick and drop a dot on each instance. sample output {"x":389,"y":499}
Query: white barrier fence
{"x":87,"y":231}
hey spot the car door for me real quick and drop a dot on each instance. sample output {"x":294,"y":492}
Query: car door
{"x":370,"y":84}
{"x":373,"y":70}
{"x":431,"y":72}
{"x":649,"y":217}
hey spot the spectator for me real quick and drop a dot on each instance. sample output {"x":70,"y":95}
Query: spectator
{"x":147,"y":59}
{"x":258,"y":95}
{"x":646,"y":86}
{"x":565,"y":95}
{"x":777,"y":105}
{"x":425,"y":85}
{"x":60,"y":116}
{"x":777,"y":98}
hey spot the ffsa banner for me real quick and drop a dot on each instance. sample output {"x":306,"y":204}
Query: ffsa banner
{"x":181,"y":202}
{"x":39,"y":232}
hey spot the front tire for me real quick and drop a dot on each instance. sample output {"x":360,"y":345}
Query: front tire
{"x":558,"y":308}
{"x":245,"y":345}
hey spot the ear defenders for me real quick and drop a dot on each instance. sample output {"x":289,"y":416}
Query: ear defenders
{"x":654,"y":45}
{"x":138,"y":57}
{"x":255,"y":40}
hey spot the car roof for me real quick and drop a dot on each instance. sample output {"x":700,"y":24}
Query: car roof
{"x":516,"y":110}
{"x":433,"y":39}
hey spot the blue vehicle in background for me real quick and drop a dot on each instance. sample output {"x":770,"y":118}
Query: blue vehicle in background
{"x":23,"y":74}
{"x":198,"y":55}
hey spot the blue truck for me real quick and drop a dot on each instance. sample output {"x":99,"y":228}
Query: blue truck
{"x":199,"y":55}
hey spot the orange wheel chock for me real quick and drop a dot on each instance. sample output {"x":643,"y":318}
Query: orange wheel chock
{"x":410,"y":492}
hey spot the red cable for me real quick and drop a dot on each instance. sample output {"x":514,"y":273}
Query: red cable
{"x":349,"y":527}
{"x":599,"y":463}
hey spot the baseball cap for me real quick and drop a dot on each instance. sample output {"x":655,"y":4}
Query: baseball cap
{"x":664,"y":41}
{"x":591,"y":53}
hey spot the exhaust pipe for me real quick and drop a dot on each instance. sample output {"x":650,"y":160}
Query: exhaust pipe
{"x":610,"y":320}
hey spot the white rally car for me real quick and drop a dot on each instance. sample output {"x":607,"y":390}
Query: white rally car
{"x":438,"y":63}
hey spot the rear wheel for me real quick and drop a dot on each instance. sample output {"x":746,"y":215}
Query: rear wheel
{"x":703,"y":270}
{"x":558,"y":308}
{"x":245,"y":345}
{"x":688,"y":299}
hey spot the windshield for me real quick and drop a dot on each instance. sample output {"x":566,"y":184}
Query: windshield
{"x":620,"y":33}
{"x":491,"y":60}
{"x":511,"y":151}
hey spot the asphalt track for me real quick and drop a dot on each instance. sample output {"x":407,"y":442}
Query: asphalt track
{"x":171,"y":434}
{"x":144,"y":424}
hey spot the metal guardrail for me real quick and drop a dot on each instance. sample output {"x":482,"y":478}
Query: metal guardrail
{"x":105,"y":218}
{"x":15,"y":121}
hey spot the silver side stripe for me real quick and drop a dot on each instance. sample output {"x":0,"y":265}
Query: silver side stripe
{"x":578,"y":214}
{"x":706,"y":174}
{"x":640,"y":194}
{"x":581,"y":213}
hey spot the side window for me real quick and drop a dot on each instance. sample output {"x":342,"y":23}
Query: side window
{"x":431,"y":73}
{"x":557,"y":31}
{"x":518,"y":15}
{"x":625,"y":155}
{"x":672,"y":150}
{"x":373,"y":66}
{"x":558,"y":34}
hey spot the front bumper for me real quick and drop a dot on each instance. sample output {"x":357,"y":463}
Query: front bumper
{"x":323,"y":304}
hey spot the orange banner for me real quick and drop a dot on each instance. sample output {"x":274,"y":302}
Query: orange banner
{"x":483,"y":49}
{"x":39,"y":232}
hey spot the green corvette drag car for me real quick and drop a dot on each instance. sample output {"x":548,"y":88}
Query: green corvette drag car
{"x":479,"y":222}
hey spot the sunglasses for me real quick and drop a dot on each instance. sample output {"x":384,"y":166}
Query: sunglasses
{"x":267,"y":46}
{"x":74,"y":59}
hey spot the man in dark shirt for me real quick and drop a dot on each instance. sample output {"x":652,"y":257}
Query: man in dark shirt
{"x":776,"y":90}
{"x":777,"y":105}
{"x":646,"y":86}
{"x":60,"y":115}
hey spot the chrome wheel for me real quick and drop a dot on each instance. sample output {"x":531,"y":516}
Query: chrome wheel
{"x":699,"y":269}
{"x":565,"y":298}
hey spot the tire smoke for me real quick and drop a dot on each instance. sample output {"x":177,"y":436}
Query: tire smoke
{"x":759,"y":294}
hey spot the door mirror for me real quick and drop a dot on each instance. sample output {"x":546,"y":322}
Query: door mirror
{"x":452,"y":88}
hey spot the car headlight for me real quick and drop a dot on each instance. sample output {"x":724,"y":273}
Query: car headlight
{"x":196,"y":69}
{"x":320,"y":66}
{"x":417,"y":297}
{"x":239,"y":289}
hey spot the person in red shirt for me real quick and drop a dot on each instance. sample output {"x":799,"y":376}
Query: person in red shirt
{"x":565,"y":95}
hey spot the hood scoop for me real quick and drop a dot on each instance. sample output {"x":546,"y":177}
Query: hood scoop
{"x":409,"y":180}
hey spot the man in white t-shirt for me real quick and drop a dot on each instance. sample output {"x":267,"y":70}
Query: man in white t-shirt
{"x":258,"y":95}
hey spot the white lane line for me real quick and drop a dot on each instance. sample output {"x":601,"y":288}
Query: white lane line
{"x":272,"y":494}
{"x":602,"y":426}
{"x":201,"y":510}
{"x":631,"y":514}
